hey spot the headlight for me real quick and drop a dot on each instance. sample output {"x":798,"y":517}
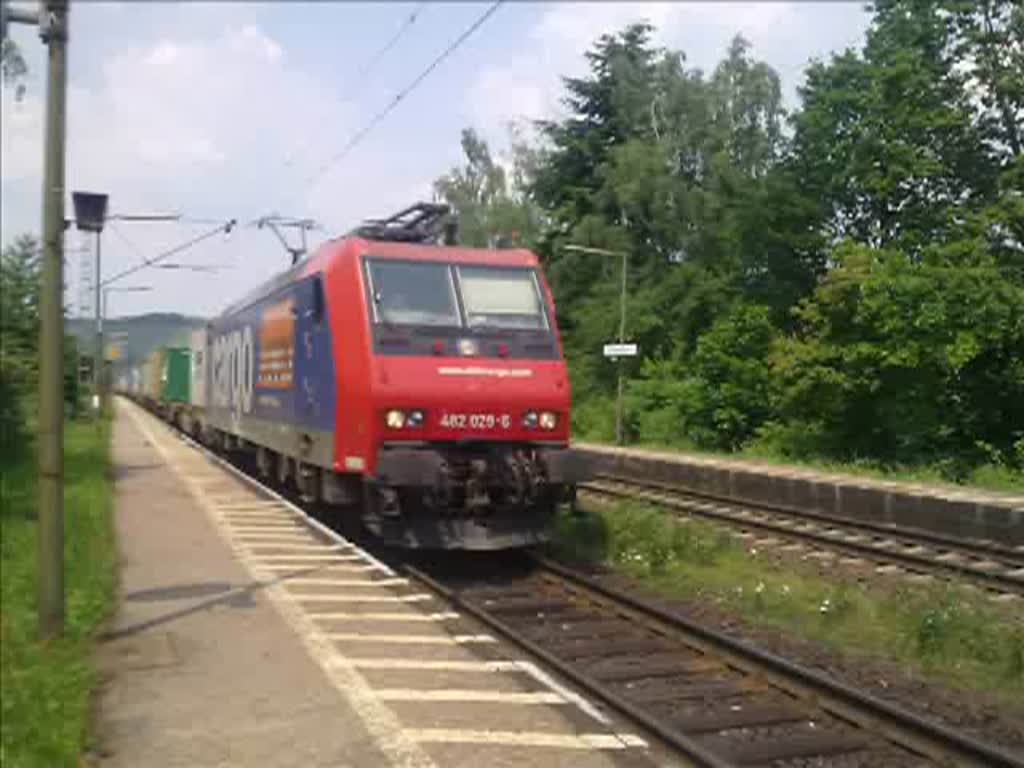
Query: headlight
{"x":395,"y":419}
{"x":530,"y":419}
{"x":416,"y":419}
{"x":548,"y":419}
{"x":468,"y":347}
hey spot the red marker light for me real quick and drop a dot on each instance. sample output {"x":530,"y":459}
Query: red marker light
{"x":503,"y":350}
{"x":439,"y":347}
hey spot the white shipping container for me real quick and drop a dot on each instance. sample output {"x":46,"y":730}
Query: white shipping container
{"x":197,"y":344}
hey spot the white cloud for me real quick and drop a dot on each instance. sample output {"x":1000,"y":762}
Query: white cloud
{"x":786,"y":34}
{"x":252,"y":38}
{"x":199,"y":125}
{"x":23,"y":124}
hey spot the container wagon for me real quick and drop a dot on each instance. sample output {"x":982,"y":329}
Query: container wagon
{"x":175,"y":380}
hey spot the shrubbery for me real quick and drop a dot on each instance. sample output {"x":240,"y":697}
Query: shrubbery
{"x":19,"y":346}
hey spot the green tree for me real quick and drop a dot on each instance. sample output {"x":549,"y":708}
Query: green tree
{"x":682,"y":172}
{"x":889,"y":140}
{"x":908,"y":361}
{"x":492,"y":208}
{"x":13,"y":67}
{"x":988,"y":42}
{"x":606,"y":108}
{"x":19,"y":331}
{"x":720,"y":396}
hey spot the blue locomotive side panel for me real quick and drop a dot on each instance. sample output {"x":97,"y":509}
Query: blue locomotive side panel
{"x":271,"y":376}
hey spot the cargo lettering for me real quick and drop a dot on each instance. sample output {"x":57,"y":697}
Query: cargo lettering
{"x":233,"y":369}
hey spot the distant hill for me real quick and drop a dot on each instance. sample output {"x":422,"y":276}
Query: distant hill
{"x":142,"y":333}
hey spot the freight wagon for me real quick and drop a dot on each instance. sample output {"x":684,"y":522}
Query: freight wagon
{"x":175,"y":379}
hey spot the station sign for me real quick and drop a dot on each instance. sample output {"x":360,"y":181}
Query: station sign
{"x":620,"y":350}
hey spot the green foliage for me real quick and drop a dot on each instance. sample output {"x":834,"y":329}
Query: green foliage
{"x":720,"y":396}
{"x":944,"y":633}
{"x":730,"y":380}
{"x":13,"y":68}
{"x":492,"y":209}
{"x":908,"y":361}
{"x":19,"y":334}
{"x":46,"y":686}
{"x":20,"y":275}
{"x":847,"y":290}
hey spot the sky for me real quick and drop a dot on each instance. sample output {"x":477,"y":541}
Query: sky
{"x":237,"y":110}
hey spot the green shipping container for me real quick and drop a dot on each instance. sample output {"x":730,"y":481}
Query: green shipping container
{"x":177,"y":376}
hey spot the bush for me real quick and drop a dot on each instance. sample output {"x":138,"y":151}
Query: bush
{"x":720,"y":396}
{"x":594,"y":419}
{"x":656,"y":403}
{"x":730,"y":388}
{"x":906,"y":362}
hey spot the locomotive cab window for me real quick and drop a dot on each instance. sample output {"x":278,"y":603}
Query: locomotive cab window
{"x":412,"y":293}
{"x":501,"y":297}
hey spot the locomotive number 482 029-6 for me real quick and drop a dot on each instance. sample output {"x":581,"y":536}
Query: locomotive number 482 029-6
{"x":476,"y":420}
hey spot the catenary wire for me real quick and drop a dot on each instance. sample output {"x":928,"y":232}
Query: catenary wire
{"x":363,"y":132}
{"x":225,"y":227}
{"x":359,"y":79}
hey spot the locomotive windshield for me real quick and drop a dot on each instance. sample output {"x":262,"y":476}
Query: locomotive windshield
{"x":434,"y":294}
{"x":411,"y":293}
{"x":500,"y":297}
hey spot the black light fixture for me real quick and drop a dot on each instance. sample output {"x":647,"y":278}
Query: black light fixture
{"x":90,"y":210}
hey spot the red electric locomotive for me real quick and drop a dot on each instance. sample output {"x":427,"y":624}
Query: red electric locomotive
{"x":417,"y":388}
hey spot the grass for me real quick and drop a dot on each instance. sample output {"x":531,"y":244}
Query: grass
{"x":46,"y":686}
{"x":944,"y":633}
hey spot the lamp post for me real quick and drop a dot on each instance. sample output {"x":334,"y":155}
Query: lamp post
{"x":622,"y":321}
{"x":90,"y":216}
{"x":52,"y":21}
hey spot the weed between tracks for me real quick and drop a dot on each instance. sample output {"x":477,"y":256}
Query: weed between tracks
{"x":46,"y":686}
{"x":940,"y":632}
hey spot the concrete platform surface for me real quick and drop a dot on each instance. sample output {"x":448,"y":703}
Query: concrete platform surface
{"x":244,"y":637}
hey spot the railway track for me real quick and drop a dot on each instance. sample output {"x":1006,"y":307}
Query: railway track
{"x":717,"y":700}
{"x":991,"y":566}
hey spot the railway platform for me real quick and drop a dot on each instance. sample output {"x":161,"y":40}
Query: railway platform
{"x":244,"y":635}
{"x":960,"y":513}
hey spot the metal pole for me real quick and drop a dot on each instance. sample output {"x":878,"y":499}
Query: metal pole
{"x":622,"y":337}
{"x":622,"y":298}
{"x":97,"y":363}
{"x":104,"y":384}
{"x":51,"y":332}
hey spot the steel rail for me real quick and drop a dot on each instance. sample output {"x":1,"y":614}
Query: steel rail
{"x":676,"y":500}
{"x":946,"y":739}
{"x":981,"y":547}
{"x":662,"y":730}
